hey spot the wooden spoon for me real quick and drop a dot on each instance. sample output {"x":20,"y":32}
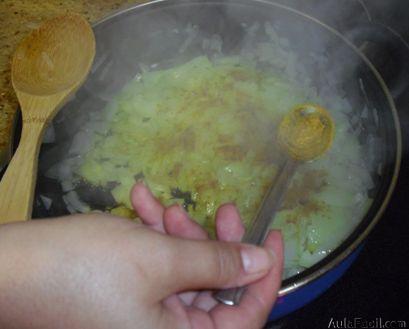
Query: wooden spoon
{"x":47,"y":68}
{"x":304,"y":134}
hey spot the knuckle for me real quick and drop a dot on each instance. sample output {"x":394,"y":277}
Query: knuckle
{"x":227,"y":264}
{"x":170,"y":258}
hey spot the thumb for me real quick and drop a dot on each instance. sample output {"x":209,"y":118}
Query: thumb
{"x":196,"y":265}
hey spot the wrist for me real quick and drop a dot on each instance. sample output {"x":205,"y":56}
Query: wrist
{"x":22,"y":272}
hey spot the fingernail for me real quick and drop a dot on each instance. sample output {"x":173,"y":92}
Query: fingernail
{"x":257,"y":259}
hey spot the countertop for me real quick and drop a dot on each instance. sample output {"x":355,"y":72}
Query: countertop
{"x":18,"y":18}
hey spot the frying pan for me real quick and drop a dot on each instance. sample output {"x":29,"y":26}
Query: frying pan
{"x":147,"y":35}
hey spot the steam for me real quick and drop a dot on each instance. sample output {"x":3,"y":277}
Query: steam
{"x":275,"y":39}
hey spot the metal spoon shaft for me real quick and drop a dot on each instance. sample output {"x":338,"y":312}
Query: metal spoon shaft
{"x":270,"y":205}
{"x":261,"y":223}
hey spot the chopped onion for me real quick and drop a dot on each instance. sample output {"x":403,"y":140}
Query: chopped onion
{"x":67,"y":185}
{"x":80,"y":143}
{"x":73,"y":201}
{"x":70,"y":209}
{"x":49,"y":135}
{"x":47,"y":202}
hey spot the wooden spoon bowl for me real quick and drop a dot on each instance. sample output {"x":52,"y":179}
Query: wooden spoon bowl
{"x":47,"y":68}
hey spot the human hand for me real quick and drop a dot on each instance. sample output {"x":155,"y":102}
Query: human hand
{"x":259,"y":297}
{"x":96,"y":271}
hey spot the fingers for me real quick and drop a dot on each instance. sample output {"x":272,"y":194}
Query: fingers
{"x":228,"y":228}
{"x":259,"y":297}
{"x":148,"y":208}
{"x":188,"y":298}
{"x":177,"y":223}
{"x":228,"y":223}
{"x":196,"y":265}
{"x":205,"y":301}
{"x":200,"y":319}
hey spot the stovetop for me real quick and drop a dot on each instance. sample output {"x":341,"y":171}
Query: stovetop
{"x":377,"y":285}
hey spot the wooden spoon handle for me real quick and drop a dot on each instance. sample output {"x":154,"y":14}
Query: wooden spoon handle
{"x":18,"y":183}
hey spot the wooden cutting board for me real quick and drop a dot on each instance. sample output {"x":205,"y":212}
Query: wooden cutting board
{"x":17,"y":18}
